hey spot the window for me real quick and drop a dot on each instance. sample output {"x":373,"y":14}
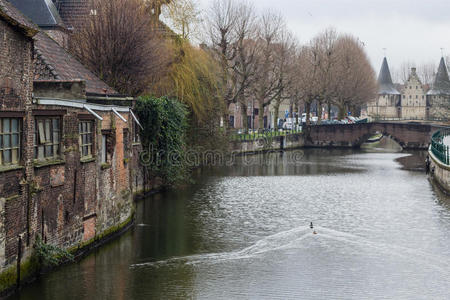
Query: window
{"x":417,"y":96}
{"x":136,"y":131}
{"x":47,"y":138}
{"x":86,"y":138}
{"x":231,"y":121}
{"x":9,"y":141}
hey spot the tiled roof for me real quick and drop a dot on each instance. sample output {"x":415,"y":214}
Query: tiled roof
{"x":13,"y":16}
{"x":54,"y":62}
{"x":386,"y":86}
{"x":73,"y":12}
{"x":41,"y":12}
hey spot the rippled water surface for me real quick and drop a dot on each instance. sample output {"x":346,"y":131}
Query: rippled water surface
{"x":383,"y":232}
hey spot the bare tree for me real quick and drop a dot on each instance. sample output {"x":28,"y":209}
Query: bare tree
{"x":309,"y":76}
{"x":288,"y":70}
{"x":155,"y":6}
{"x":118,"y":44}
{"x":425,"y":71}
{"x":401,"y":74}
{"x":324,"y":45}
{"x":183,"y":17}
{"x":356,"y":82}
{"x":220,"y":23}
{"x":267,"y":81}
{"x":232,"y":31}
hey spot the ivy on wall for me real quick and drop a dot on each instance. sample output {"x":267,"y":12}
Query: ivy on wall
{"x":164,"y":122}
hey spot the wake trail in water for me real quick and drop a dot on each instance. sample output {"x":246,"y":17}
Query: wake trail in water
{"x":278,"y":241}
{"x":293,"y":239}
{"x":438,"y":262}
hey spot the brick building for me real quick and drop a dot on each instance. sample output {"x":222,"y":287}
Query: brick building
{"x":68,"y":147}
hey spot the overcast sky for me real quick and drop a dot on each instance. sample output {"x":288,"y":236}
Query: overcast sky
{"x":409,"y":29}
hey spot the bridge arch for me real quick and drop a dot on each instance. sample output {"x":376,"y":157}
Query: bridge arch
{"x":408,"y":136}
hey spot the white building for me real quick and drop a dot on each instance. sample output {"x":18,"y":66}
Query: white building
{"x":414,"y":103}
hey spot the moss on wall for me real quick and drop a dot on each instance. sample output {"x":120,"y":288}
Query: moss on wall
{"x":28,"y":269}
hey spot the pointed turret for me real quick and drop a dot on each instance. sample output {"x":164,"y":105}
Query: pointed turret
{"x":386,"y":86}
{"x":441,"y":85}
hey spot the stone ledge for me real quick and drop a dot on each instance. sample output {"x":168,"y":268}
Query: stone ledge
{"x":437,"y":161}
{"x":87,"y":160}
{"x":105,"y":166}
{"x":10,"y":168}
{"x":42,"y":164}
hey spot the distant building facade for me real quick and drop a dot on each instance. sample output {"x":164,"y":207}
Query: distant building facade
{"x":438,"y":97}
{"x":413,"y":105}
{"x":388,"y":101}
{"x":415,"y":101}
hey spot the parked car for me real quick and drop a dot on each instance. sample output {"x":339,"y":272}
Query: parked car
{"x":352,"y":120}
{"x":312,"y":119}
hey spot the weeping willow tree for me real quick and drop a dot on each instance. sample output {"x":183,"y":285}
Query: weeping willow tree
{"x":192,"y":79}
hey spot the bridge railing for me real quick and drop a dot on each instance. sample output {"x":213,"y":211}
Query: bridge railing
{"x":256,"y":135}
{"x":438,"y":146}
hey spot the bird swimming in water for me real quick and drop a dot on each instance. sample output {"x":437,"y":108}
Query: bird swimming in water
{"x":311,"y":225}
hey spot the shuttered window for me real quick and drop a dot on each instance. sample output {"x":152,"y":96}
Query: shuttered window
{"x":47,"y":138}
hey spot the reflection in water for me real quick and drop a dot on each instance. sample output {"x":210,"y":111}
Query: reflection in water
{"x":242,"y":232}
{"x":386,"y":144}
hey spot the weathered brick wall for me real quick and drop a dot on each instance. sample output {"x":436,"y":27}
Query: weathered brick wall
{"x":115,"y":197}
{"x":67,"y":201}
{"x":72,"y":200}
{"x":16,"y":76}
{"x":57,"y":89}
{"x":137,"y":171}
{"x":16,"y":60}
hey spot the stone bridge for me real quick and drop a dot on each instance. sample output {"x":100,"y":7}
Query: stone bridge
{"x":408,"y":135}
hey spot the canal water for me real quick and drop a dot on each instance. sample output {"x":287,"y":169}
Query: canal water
{"x":242,"y":232}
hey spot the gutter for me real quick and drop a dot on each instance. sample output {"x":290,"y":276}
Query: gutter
{"x":82,"y":104}
{"x":107,"y":98}
{"x":79,"y":104}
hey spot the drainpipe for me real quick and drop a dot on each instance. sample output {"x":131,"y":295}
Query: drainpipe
{"x":19,"y":257}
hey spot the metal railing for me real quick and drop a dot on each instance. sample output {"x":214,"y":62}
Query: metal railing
{"x":439,"y":148}
{"x":256,"y":135}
